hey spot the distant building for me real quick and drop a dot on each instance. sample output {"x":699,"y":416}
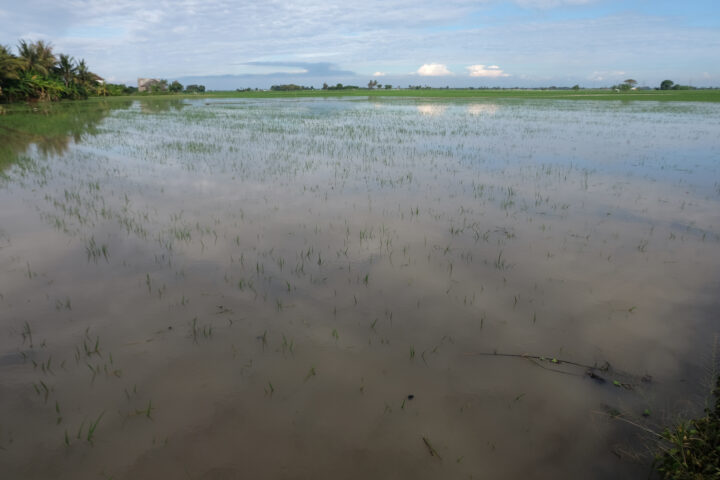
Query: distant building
{"x":144,"y":84}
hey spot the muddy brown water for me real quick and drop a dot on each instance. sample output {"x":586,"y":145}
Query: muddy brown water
{"x":244,"y":288}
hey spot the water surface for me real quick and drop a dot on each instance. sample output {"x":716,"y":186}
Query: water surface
{"x":309,"y":288}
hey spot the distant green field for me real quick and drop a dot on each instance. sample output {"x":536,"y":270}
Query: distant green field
{"x":655,"y":95}
{"x":706,"y":95}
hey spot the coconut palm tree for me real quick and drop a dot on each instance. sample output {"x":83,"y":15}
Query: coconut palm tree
{"x":85,"y":76}
{"x":9,"y":64}
{"x":66,"y":69}
{"x":9,"y":67}
{"x":37,"y":57}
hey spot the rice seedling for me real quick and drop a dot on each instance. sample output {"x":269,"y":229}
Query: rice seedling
{"x":287,"y":346}
{"x":430,"y":448}
{"x":46,"y":366}
{"x":147,"y":412}
{"x":196,"y":331}
{"x":27,"y":334}
{"x":92,"y":427}
{"x":30,"y":273}
{"x":95,"y":251}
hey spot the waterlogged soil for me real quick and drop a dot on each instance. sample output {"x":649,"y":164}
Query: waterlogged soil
{"x":315,"y":288}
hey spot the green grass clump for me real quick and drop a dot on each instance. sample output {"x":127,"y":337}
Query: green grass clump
{"x":695,"y":446}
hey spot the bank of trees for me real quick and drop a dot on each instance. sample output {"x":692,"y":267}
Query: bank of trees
{"x":339,"y":86}
{"x":670,"y":85}
{"x":35,"y":72}
{"x":290,"y":87}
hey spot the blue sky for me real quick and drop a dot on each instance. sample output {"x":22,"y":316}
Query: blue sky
{"x":236,"y":44}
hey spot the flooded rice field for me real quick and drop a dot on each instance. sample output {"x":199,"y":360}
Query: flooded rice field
{"x":354,"y":288}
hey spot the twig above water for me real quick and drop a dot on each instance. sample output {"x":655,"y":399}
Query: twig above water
{"x":538,"y":360}
{"x":605,"y":367}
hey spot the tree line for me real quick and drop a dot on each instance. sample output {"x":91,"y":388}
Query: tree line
{"x":35,"y":72}
{"x":631,"y":84}
{"x":162,"y":86}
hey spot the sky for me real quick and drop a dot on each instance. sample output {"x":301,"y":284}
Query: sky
{"x":457,"y":43}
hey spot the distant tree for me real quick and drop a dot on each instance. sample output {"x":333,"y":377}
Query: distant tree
{"x":86,"y":80}
{"x":66,"y":68}
{"x":666,"y":84}
{"x":325,"y":86}
{"x":115,"y":89}
{"x":159,"y":86}
{"x":629,"y":84}
{"x":175,"y":87}
{"x":576,"y":87}
{"x":101,"y":90}
{"x":288,"y":87}
{"x":195,"y":88}
{"x":372,"y":84}
{"x":84,"y":74}
{"x":387,"y":86}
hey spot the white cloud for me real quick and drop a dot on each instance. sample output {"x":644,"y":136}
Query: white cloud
{"x":137,"y":38}
{"x":600,"y":76}
{"x":493,"y":71}
{"x":544,"y":4}
{"x":379,"y":74}
{"x":433,"y":70}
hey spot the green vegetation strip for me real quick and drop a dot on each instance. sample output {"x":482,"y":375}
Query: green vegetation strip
{"x":700,"y":95}
{"x":694,"y":451}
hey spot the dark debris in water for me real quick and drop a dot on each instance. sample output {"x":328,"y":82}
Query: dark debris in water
{"x":600,"y":380}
